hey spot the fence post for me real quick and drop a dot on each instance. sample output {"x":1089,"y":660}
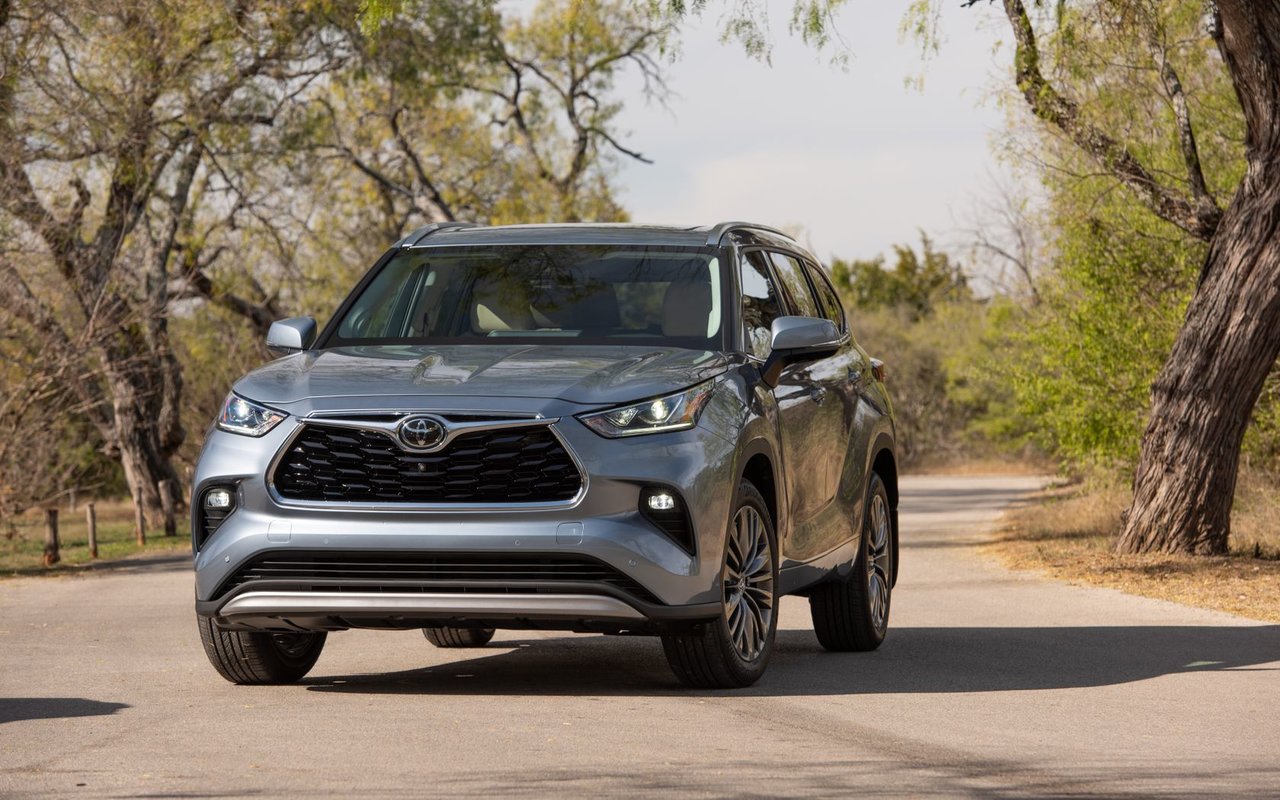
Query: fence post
{"x":139,"y":523}
{"x":166,"y":503}
{"x":51,"y":554}
{"x":91,"y":518}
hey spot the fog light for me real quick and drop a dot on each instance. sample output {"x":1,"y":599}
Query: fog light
{"x":661,"y":501}
{"x":217,"y":498}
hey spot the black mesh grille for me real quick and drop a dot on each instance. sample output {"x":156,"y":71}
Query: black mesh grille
{"x":427,"y":572}
{"x":515,"y":465}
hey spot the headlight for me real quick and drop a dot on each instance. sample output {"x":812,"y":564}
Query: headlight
{"x":246,"y":417}
{"x":675,"y":412}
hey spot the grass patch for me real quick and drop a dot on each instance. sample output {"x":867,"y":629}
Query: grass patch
{"x":1068,"y":533}
{"x":22,"y":539}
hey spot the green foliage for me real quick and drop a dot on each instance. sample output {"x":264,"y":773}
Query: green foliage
{"x":1080,"y":365}
{"x":917,"y":282}
{"x":930,"y":361}
{"x":922,"y":320}
{"x":747,"y":23}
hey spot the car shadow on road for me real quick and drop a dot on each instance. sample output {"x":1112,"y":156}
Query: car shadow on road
{"x":912,"y":660}
{"x":14,"y":709}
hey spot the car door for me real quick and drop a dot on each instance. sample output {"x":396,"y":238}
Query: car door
{"x":845,"y":375}
{"x":763,"y":301}
{"x":811,"y":401}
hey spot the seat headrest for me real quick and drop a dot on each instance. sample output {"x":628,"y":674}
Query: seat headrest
{"x":496,"y":307}
{"x":686,"y":308}
{"x":585,"y":308}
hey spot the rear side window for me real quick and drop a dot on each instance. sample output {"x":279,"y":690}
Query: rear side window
{"x":760,"y":304}
{"x":827,"y":299}
{"x":794,"y":285}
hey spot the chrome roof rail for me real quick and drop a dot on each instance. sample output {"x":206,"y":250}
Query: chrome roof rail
{"x":718,"y":231}
{"x":426,"y":230}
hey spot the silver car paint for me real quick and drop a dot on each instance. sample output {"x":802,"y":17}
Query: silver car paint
{"x":743,"y":419}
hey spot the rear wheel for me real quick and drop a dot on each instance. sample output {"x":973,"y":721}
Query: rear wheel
{"x":852,"y":614}
{"x":733,"y":650}
{"x":458,"y":637}
{"x":250,"y":658}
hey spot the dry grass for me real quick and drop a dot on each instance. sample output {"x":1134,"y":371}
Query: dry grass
{"x":1068,"y":534}
{"x":982,"y":465}
{"x":22,"y":539}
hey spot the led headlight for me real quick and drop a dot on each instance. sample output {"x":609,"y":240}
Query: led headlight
{"x":246,"y":417}
{"x":675,"y":412}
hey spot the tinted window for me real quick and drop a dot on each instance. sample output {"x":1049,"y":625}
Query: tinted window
{"x":827,"y":300}
{"x":760,"y":305}
{"x":795,"y":285}
{"x":591,"y":294}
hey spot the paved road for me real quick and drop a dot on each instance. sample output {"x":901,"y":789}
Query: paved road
{"x":991,"y":684}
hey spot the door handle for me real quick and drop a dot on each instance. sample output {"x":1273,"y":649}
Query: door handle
{"x":818,"y":395}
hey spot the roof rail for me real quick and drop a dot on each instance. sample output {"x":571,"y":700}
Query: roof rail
{"x":718,"y":231}
{"x":426,"y":230}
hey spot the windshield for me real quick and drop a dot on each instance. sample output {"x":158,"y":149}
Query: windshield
{"x":514,"y":294}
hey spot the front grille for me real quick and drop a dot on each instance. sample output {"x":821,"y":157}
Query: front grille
{"x":427,"y":572}
{"x":511,"y":465}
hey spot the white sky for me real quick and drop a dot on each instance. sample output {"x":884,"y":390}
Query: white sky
{"x":856,"y":157}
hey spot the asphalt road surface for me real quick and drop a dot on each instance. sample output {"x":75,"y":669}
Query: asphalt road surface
{"x":990,"y":684}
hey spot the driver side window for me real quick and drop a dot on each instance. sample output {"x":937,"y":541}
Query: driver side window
{"x":795,"y":285}
{"x":760,"y":305}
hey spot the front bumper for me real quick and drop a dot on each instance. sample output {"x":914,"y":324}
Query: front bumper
{"x":603,"y":524}
{"x":278,"y":611}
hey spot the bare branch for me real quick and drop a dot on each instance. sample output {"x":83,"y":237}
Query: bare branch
{"x":1206,"y":204}
{"x":440,"y":210}
{"x":1052,"y":106}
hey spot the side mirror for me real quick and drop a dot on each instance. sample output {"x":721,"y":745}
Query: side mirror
{"x":797,"y":339}
{"x":291,"y":335}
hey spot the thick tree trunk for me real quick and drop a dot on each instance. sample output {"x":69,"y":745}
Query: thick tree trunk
{"x":138,"y":441}
{"x":1205,"y":393}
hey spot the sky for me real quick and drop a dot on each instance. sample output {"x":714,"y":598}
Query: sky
{"x":856,"y":157}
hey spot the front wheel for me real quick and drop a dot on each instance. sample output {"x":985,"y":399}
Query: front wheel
{"x":852,"y":614}
{"x":733,"y":650}
{"x":252,"y":658}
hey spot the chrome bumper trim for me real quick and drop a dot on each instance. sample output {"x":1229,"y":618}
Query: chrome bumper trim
{"x":256,"y":605}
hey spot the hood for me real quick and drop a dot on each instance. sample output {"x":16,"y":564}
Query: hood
{"x":588,"y":375}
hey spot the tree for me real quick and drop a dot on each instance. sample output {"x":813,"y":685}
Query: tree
{"x":1229,"y":340}
{"x":918,"y":281}
{"x":47,"y":449}
{"x":460,"y":112}
{"x":109,"y":114}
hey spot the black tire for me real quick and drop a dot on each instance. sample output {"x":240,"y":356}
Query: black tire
{"x":458,"y":637}
{"x":848,"y":615}
{"x":250,"y":658}
{"x":729,"y":652}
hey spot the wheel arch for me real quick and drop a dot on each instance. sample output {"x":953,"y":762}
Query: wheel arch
{"x":759,"y":467}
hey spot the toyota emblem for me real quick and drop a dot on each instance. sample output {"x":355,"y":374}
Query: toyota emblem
{"x":421,"y":433}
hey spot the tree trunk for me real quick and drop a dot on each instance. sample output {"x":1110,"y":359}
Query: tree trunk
{"x":91,"y":521}
{"x":52,"y":548}
{"x":1206,"y":391}
{"x":137,"y":440}
{"x":167,"y":499}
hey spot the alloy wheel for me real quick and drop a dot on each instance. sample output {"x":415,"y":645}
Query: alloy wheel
{"x":748,"y":583}
{"x":878,"y":564}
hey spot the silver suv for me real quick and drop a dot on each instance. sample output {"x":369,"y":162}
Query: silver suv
{"x":594,"y":428}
